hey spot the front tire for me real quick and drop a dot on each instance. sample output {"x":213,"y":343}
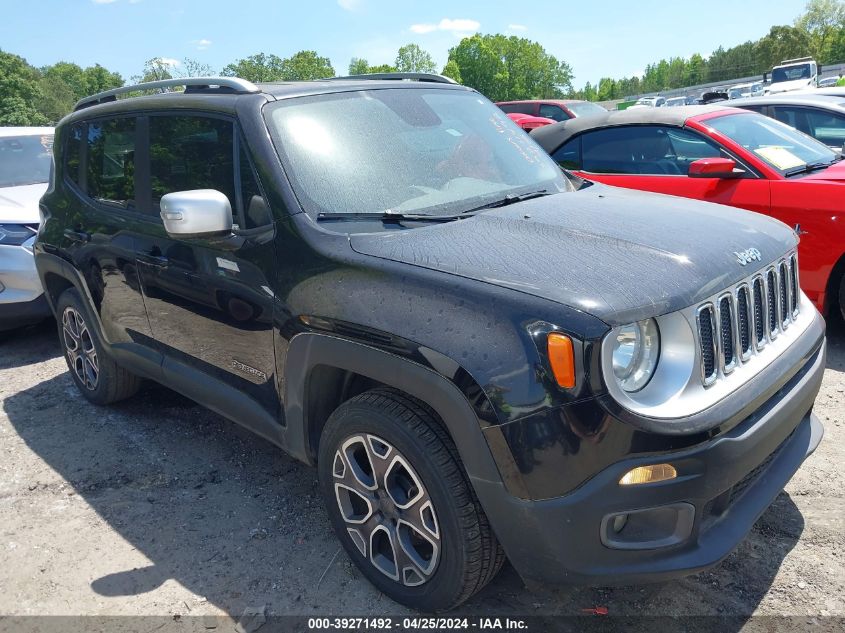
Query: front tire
{"x":98,"y":377}
{"x":842,"y":296}
{"x":401,"y":504}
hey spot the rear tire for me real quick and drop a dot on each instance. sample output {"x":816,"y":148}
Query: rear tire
{"x":401,"y":504}
{"x":98,"y":377}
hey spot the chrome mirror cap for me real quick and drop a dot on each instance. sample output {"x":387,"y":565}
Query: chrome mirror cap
{"x":195,"y":213}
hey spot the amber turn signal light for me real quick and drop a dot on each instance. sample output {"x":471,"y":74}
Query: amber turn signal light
{"x":562,"y":359}
{"x":648,"y":474}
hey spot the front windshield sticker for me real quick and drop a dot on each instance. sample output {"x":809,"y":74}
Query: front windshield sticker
{"x":780,"y":157}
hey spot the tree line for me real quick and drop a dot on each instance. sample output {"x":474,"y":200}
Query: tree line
{"x":499,"y":66}
{"x":818,"y":32}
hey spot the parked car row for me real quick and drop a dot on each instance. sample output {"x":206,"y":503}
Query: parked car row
{"x":25,"y":157}
{"x":725,"y":155}
{"x":484,"y":355}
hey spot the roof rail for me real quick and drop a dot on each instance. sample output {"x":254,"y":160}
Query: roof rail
{"x":226,"y":85}
{"x":430,"y":77}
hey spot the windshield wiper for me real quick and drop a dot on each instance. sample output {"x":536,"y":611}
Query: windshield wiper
{"x":390,"y":216}
{"x":806,"y":169}
{"x":511,"y":198}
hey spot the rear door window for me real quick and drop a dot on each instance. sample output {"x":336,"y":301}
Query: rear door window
{"x":110,"y":169}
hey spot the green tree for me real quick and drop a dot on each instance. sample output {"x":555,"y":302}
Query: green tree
{"x":257,"y":68}
{"x":358,"y":66}
{"x":822,"y":20}
{"x":452,"y":71}
{"x":155,"y":69}
{"x":382,"y":68}
{"x":69,"y":74}
{"x":19,"y":91}
{"x":607,"y":89}
{"x":193,"y":68}
{"x":504,"y":68}
{"x":306,"y":65}
{"x":695,"y":69}
{"x":412,"y":59}
{"x":780,"y":43}
{"x":98,"y":79}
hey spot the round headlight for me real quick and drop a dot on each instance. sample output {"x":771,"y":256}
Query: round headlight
{"x":636,"y":348}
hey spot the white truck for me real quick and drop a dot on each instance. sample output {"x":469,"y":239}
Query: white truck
{"x":794,"y":74}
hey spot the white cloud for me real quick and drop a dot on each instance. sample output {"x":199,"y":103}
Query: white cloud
{"x":168,"y":61}
{"x":201,"y":44}
{"x":349,"y":5}
{"x":423,"y":28}
{"x":447,"y":24}
{"x":517,"y":27}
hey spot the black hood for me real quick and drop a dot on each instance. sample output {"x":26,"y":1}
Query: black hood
{"x":619,"y":254}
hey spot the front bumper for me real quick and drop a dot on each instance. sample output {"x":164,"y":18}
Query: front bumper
{"x":21,"y":296}
{"x":723,"y":486}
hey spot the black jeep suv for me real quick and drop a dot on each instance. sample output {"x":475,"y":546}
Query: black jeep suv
{"x":483,"y":356}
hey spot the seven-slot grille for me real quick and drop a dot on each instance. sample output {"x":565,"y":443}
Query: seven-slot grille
{"x":742,"y":320}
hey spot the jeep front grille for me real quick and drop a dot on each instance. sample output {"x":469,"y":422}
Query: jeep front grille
{"x":743,"y":319}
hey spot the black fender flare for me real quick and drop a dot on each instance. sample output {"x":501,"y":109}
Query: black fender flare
{"x":49,"y":264}
{"x":309,"y":350}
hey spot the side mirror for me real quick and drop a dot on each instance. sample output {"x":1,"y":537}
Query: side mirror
{"x":714,"y":168}
{"x":196,"y":213}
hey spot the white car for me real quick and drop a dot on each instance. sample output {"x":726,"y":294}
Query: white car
{"x":650,"y":102}
{"x":25,"y":160}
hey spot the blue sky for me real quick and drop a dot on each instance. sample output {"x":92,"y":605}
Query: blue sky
{"x":607,"y":38}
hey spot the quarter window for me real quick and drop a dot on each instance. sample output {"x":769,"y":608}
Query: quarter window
{"x":111,"y":162}
{"x":256,"y":213}
{"x":568,"y":155}
{"x":73,"y":153}
{"x":644,"y":150}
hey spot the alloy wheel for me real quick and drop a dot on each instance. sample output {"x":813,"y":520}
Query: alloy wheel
{"x":79,"y":348}
{"x":388,"y":512}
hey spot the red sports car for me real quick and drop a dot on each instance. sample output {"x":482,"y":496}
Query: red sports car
{"x":555,"y":109}
{"x":528,"y":122}
{"x":723,"y":155}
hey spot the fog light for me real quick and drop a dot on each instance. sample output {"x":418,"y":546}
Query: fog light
{"x":648,"y":474}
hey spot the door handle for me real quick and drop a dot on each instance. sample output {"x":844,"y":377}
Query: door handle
{"x":77,"y":235}
{"x":154,"y":259}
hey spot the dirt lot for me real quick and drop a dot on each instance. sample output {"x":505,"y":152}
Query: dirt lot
{"x":157,"y":506}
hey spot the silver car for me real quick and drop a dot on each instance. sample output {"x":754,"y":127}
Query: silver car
{"x":25,"y":158}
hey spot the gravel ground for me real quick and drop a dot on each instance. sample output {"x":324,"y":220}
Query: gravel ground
{"x":157,"y":506}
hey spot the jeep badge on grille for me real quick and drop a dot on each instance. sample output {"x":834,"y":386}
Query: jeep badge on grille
{"x":748,"y":255}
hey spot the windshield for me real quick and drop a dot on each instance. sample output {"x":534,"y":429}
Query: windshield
{"x":420,"y":151}
{"x":791,"y":73}
{"x":736,"y":93}
{"x":779,"y":145}
{"x":585,"y":109}
{"x":25,"y":160}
